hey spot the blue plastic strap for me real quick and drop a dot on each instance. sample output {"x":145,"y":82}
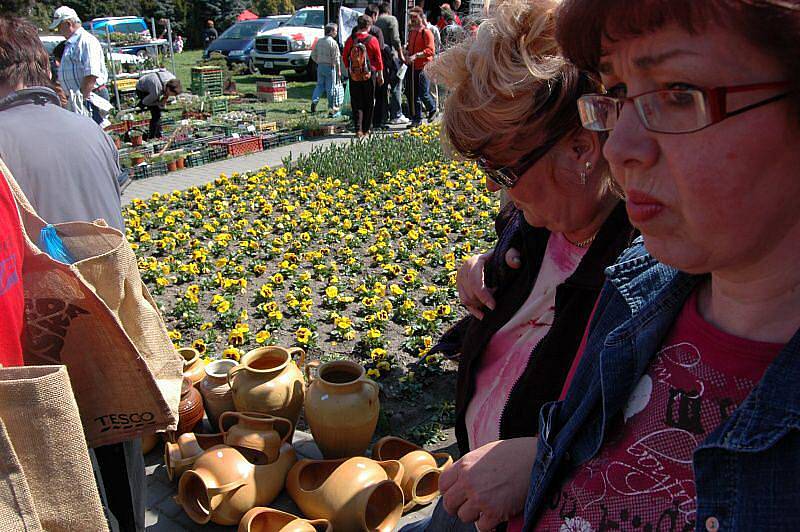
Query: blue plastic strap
{"x":51,"y":243}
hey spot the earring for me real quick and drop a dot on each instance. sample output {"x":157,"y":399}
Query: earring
{"x":584,"y":175}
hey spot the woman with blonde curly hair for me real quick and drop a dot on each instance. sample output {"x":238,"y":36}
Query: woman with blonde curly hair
{"x":512,"y":109}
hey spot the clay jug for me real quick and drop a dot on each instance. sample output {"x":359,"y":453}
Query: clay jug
{"x":354,"y":494}
{"x":180,"y":456}
{"x":190,"y":409}
{"x":193,"y":365}
{"x":271,"y":520}
{"x":267,"y":380}
{"x":342,"y":408}
{"x":225,"y":483}
{"x":259,"y":432}
{"x":149,"y":442}
{"x":216,"y":391}
{"x":421,"y":469}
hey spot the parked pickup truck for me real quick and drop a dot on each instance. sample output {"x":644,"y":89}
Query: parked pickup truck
{"x":289,"y":47}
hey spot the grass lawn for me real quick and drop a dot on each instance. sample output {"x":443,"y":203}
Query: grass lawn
{"x":299,"y":89}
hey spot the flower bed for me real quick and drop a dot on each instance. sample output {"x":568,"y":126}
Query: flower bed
{"x":364,"y":271}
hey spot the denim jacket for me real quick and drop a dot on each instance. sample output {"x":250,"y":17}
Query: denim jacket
{"x":747,"y":471}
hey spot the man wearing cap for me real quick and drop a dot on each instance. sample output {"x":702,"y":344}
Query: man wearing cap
{"x":83,"y":66}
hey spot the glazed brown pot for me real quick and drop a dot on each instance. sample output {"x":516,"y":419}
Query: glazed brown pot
{"x":268,"y":381}
{"x":225,"y":483}
{"x":136,"y":141}
{"x":180,"y":456}
{"x":261,"y":519}
{"x":193,"y":366}
{"x":216,"y":391}
{"x":259,"y":432}
{"x":421,"y":469}
{"x":355,"y":494}
{"x":341,"y":408}
{"x":190,"y":409}
{"x":172,"y":166}
{"x":180,"y":163}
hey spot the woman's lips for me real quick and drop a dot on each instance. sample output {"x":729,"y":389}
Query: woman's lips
{"x":641,"y":207}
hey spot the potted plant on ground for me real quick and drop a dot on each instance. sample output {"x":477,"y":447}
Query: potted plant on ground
{"x":180,"y":159}
{"x":136,"y":158}
{"x":172,"y":163}
{"x":136,"y":137}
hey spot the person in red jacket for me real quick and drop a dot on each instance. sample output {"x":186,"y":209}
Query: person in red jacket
{"x":12,"y":305}
{"x":366,"y":70}
{"x":442,"y":22}
{"x":419,"y":53}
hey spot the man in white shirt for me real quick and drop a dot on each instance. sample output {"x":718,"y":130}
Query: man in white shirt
{"x":83,"y":66}
{"x":328,"y":58}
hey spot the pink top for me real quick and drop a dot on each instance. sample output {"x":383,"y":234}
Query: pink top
{"x":509,"y":350}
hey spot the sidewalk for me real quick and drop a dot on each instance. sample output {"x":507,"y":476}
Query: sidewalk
{"x":164,"y":184}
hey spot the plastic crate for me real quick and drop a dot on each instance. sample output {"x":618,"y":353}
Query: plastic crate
{"x":207,"y":81}
{"x":141,"y":171}
{"x":127,"y":84}
{"x":240,"y":146}
{"x":159,"y":168}
{"x":120,"y":127}
{"x":268,"y":126}
{"x":218,"y":105}
{"x":217,"y":151}
{"x":288,"y":137}
{"x":273,"y":97}
{"x":269,"y":140}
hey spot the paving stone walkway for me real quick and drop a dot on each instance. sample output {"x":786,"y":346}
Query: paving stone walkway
{"x":200,"y":175}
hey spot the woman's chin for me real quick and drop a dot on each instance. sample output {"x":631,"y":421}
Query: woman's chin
{"x":677,"y":253}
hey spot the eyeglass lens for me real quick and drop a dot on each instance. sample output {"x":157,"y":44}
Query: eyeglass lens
{"x":666,"y":111}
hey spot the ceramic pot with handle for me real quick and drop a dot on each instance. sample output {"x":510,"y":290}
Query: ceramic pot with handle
{"x":180,"y":456}
{"x":342,"y":408}
{"x":268,"y":381}
{"x":225,"y":483}
{"x":259,"y":432}
{"x":193,"y":366}
{"x":421,"y":469}
{"x":261,"y":519}
{"x":190,"y":409}
{"x":216,"y":391}
{"x":354,"y":494}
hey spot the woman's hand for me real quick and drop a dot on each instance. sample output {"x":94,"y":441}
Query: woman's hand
{"x":488,"y":486}
{"x":472,"y":289}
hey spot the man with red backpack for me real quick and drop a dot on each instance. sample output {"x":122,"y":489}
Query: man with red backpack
{"x":364,"y":63}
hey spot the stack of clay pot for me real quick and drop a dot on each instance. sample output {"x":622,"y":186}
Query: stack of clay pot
{"x":229,"y":477}
{"x":421,"y":469}
{"x":249,"y":470}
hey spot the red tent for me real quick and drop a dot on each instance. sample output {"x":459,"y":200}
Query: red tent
{"x":246,"y":15}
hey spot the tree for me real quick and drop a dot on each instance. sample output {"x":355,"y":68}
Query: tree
{"x":265,"y":8}
{"x":230,"y":10}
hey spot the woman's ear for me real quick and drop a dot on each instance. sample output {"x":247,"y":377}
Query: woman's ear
{"x":586,"y":148}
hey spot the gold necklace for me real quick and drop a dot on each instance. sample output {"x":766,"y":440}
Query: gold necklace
{"x":582,"y":243}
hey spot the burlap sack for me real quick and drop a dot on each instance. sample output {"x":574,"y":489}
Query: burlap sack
{"x":97,"y":318}
{"x":44,"y":462}
{"x":16,"y":501}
